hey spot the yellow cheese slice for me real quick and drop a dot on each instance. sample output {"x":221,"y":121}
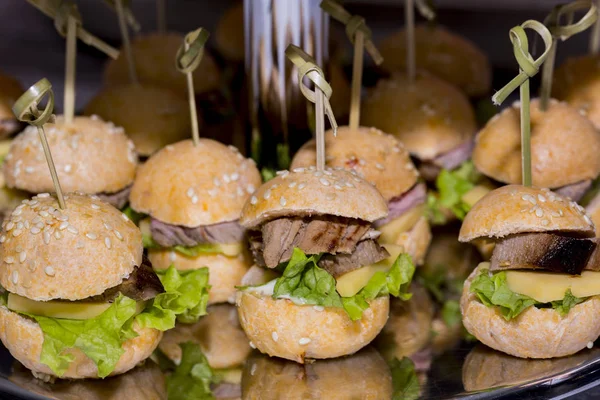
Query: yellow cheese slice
{"x":547,"y":286}
{"x":230,"y":249}
{"x":60,"y":309}
{"x":404,"y":223}
{"x":351,"y":283}
{"x":475,"y":194}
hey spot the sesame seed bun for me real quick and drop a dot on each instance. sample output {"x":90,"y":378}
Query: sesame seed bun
{"x":10,"y":91}
{"x":80,"y":252}
{"x":23,"y":337}
{"x":219,"y":335}
{"x":152,"y":116}
{"x":377,"y":157}
{"x":519,"y":209}
{"x":218,"y":178}
{"x":364,"y":376}
{"x":90,"y":155}
{"x":225,"y":273}
{"x":154,"y":56}
{"x":564,"y":146}
{"x":308,"y":191}
{"x":429,"y":116}
{"x":536,"y":332}
{"x":229,"y":35}
{"x":450,"y":56}
{"x":278,"y":327}
{"x":577,"y":81}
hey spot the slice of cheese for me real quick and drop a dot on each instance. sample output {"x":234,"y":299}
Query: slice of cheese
{"x":475,"y":194}
{"x":60,"y":309}
{"x":546,"y":286}
{"x":230,"y":249}
{"x":351,"y":283}
{"x":404,"y":223}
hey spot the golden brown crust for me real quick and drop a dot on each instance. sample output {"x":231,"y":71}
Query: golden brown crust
{"x":577,"y":82}
{"x":555,"y":160}
{"x":189,"y":185}
{"x":536,"y":332}
{"x":224,"y":273}
{"x":377,"y":157}
{"x":219,"y":335}
{"x":518,"y":209}
{"x":68,"y":254}
{"x":308,"y":191}
{"x":154,"y":56}
{"x":283,"y":329}
{"x":24,"y":338}
{"x":443,"y":53}
{"x":90,"y":155}
{"x":152,"y":116}
{"x":429,"y":116}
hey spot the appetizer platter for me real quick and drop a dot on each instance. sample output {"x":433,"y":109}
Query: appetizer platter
{"x":299,"y":206}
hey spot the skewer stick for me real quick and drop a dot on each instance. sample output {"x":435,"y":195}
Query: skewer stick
{"x":320,"y":96}
{"x":357,"y":70}
{"x":70,"y":69}
{"x":25,"y":108}
{"x":528,"y":67}
{"x":188,"y":58}
{"x":595,"y":33}
{"x":126,"y":43}
{"x":161,"y":16}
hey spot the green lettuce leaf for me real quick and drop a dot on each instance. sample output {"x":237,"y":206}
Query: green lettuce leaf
{"x":133,"y":215}
{"x":569,"y":301}
{"x":268,"y":173}
{"x":451,"y":313}
{"x":192,"y":377}
{"x":306,"y":283}
{"x":404,"y":380}
{"x":451,"y":187}
{"x":195,"y":251}
{"x":148,"y":242}
{"x":100,"y":338}
{"x":283,"y":156}
{"x":185,"y":299}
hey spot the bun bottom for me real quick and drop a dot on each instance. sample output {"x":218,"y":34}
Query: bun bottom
{"x":283,"y":329}
{"x":536,"y":332}
{"x":225,"y":273}
{"x":24,"y":338}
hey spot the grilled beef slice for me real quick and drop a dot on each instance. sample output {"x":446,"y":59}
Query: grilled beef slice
{"x":142,"y":284}
{"x":167,"y":235}
{"x":118,"y":199}
{"x":401,"y":204}
{"x":574,"y":191}
{"x":367,"y":252}
{"x":551,"y":252}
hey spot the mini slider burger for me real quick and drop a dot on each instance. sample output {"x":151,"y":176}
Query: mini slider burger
{"x":80,"y":299}
{"x":10,"y":90}
{"x":537,"y":297}
{"x":381,"y":160}
{"x":193,"y":196}
{"x":91,"y":155}
{"x":333,"y":297}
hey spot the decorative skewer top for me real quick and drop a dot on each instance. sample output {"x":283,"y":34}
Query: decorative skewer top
{"x":190,"y":53}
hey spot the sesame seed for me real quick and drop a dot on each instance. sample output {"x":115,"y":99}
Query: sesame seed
{"x":318,"y":174}
{"x":252,"y":345}
{"x":58,"y":235}
{"x":396,"y":149}
{"x":587,"y":219}
{"x":545,"y":222}
{"x":190,"y":192}
{"x":303,"y":341}
{"x":292,"y":184}
{"x":194,"y":199}
{"x":275,"y":336}
{"x":19,"y":225}
{"x":590,"y":345}
{"x":338,"y":187}
{"x":172,"y":256}
{"x":250,"y":188}
{"x":17,"y":232}
{"x":235,"y":176}
{"x":318,"y":308}
{"x":216,"y":181}
{"x":95,"y":206}
{"x":328,"y":173}
{"x":226,"y":178}
{"x":118,"y":235}
{"x":63,"y":226}
{"x":35,"y":230}
{"x":267,"y":194}
{"x":15,"y":277}
{"x":107,"y":242}
{"x":282,"y":201}
{"x":253,"y":200}
{"x":29,"y":170}
{"x":47,"y":237}
{"x":91,"y":235}
{"x":212,"y":192}
{"x":240,"y":192}
{"x":44,"y":214}
{"x":18,"y":211}
{"x":350,"y":184}
{"x":68,"y":168}
{"x":301,"y":186}
{"x":72,"y":229}
{"x":22,"y":256}
{"x":9,"y":260}
{"x":10,"y":225}
{"x":49,"y":271}
{"x":379,"y":166}
{"x":541,"y":198}
{"x":125,"y":217}
{"x":324,"y":182}
{"x":2,"y":238}
{"x":539,"y":212}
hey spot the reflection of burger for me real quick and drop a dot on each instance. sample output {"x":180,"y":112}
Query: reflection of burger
{"x":194,"y":196}
{"x":538,"y":295}
{"x":10,"y":91}
{"x":432,"y":118}
{"x":315,"y":226}
{"x":9,"y":198}
{"x":485,"y":368}
{"x":381,"y":160}
{"x":364,"y":375}
{"x":90,"y":155}
{"x":145,"y":382}
{"x":444,"y":54}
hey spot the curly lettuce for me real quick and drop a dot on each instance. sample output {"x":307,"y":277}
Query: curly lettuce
{"x":493,"y":291}
{"x":192,"y":377}
{"x":405,"y":382}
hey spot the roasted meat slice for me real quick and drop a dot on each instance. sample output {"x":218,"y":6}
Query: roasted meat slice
{"x":118,"y":199}
{"x":167,"y":235}
{"x":367,"y":252}
{"x":401,"y":204}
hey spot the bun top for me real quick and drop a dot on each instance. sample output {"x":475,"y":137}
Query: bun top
{"x":564,"y":146}
{"x":71,"y":254}
{"x":518,"y":209}
{"x":306,"y":191}
{"x":90,"y":155}
{"x":377,"y":157}
{"x":154,"y":55}
{"x":189,"y":185}
{"x":10,"y":91}
{"x":443,"y":53}
{"x":152,"y":116}
{"x":429,"y":116}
